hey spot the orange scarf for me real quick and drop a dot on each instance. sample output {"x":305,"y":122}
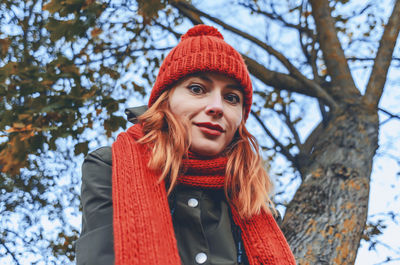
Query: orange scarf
{"x":143,"y":230}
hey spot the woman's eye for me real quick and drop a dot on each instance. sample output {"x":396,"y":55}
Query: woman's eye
{"x":196,"y":89}
{"x":232,"y":98}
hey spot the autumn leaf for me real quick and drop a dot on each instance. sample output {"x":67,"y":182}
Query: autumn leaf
{"x":306,"y":14}
{"x":149,"y":9}
{"x":4,"y":44}
{"x":24,"y":116}
{"x":9,"y":69}
{"x":70,"y":69}
{"x":96,"y":32}
{"x":18,"y":125}
{"x":52,"y":6}
{"x":47,"y":82}
{"x":88,"y":3}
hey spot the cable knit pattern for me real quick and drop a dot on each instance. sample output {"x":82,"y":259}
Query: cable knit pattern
{"x":143,"y":230}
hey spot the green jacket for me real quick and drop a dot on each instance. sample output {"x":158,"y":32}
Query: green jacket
{"x":201,"y":219}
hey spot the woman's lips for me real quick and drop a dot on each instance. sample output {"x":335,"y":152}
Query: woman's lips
{"x":210,"y":129}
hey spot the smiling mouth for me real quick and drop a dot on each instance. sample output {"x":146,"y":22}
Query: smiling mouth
{"x":210,"y":129}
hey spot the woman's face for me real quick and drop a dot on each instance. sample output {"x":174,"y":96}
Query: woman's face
{"x":213,"y":106}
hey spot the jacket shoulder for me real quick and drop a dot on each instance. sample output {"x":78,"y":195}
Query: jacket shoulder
{"x":103,"y":154}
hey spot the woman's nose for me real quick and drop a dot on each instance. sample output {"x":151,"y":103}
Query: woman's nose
{"x":215,"y":106}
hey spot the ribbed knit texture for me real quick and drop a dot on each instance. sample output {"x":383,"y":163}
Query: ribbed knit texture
{"x":143,"y":230}
{"x":203,"y":49}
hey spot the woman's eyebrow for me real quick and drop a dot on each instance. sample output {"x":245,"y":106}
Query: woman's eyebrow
{"x":235,"y":87}
{"x":203,"y":77}
{"x":207,"y":79}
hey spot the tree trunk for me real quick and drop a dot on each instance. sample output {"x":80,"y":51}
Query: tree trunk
{"x":325,"y":220}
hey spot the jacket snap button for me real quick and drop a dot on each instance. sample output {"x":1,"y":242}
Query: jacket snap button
{"x":193,"y":202}
{"x":201,"y":258}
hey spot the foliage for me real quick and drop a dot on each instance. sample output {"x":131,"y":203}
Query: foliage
{"x":48,"y":92}
{"x":67,"y":67}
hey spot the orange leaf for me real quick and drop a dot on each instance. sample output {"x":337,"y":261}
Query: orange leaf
{"x":24,"y":116}
{"x":47,"y":82}
{"x":4,"y":44}
{"x":96,"y":32}
{"x":18,"y":125}
{"x":87,"y":3}
{"x":27,"y":135}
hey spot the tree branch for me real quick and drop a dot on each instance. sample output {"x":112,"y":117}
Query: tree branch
{"x":369,"y":59}
{"x":116,"y":54}
{"x":311,"y":56}
{"x":312,"y":138}
{"x":333,"y":53}
{"x":283,"y":148}
{"x":193,"y":16}
{"x":291,"y":127}
{"x":184,"y":7}
{"x":387,"y":260}
{"x":277,"y":80}
{"x":167,"y":28}
{"x":10,"y":252}
{"x":275,"y":16}
{"x":382,"y":62}
{"x":391,"y":116}
{"x":324,"y":113}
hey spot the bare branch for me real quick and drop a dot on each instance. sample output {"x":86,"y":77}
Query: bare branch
{"x":386,"y":261}
{"x":8,"y":251}
{"x":183,"y":6}
{"x":283,"y":150}
{"x":333,"y":53}
{"x":116,"y":54}
{"x":277,"y":17}
{"x":369,"y":59}
{"x":382,"y":62}
{"x":291,"y":127}
{"x":167,"y":28}
{"x":391,"y":116}
{"x":361,"y":11}
{"x":311,"y":56}
{"x":278,"y":80}
{"x":193,"y":17}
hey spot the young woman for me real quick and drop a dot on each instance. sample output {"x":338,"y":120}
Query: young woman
{"x":186,"y":184}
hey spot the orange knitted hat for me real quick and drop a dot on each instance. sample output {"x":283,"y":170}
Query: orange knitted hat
{"x":203,"y":49}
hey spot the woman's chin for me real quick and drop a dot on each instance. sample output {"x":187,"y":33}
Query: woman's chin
{"x":209,"y":152}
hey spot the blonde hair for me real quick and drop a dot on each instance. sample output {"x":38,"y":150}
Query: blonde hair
{"x":247,"y":184}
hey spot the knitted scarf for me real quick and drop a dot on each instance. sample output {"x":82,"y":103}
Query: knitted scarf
{"x":142,"y":223}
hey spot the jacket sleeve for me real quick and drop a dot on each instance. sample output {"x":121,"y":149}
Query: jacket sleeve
{"x":95,"y":245}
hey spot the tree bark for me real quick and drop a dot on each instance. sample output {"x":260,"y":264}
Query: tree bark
{"x":383,"y":59}
{"x":325,"y":220}
{"x":333,"y":53}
